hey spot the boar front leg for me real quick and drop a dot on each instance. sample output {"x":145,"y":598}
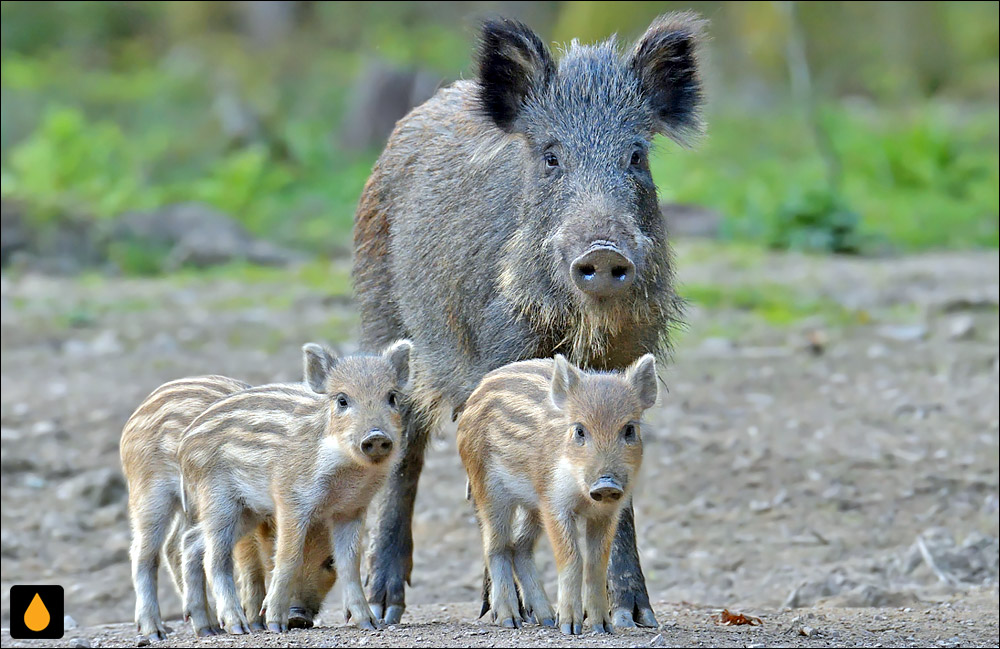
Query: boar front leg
{"x":561,"y":529}
{"x":347,"y":558}
{"x":390,"y":558}
{"x":629,"y":598}
{"x":600,"y":534}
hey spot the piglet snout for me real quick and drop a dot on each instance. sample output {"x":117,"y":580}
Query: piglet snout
{"x":376,"y":445}
{"x":606,"y":487}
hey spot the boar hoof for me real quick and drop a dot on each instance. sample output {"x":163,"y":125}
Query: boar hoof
{"x":206,"y":631}
{"x":256,"y":627}
{"x":237,"y":629}
{"x":393,"y":614}
{"x":602,"y":628}
{"x":625,"y":618}
{"x":551,"y":622}
{"x":277,"y":627}
{"x":510,"y":623}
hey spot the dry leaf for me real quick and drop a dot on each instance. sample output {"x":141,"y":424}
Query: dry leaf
{"x":725,"y":618}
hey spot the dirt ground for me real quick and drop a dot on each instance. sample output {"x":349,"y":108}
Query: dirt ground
{"x":835,"y":474}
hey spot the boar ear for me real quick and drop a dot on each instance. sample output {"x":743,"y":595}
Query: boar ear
{"x":513,"y":64}
{"x":642,"y":376}
{"x":399,"y":358}
{"x":666,"y":62}
{"x":565,"y":379}
{"x":318,"y":362}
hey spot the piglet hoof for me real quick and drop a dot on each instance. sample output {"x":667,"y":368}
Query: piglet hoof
{"x":237,"y":629}
{"x":571,"y":629}
{"x":602,"y":628}
{"x":298,"y":618}
{"x":206,"y":631}
{"x":549,"y":622}
{"x":256,"y":627}
{"x":510,"y":623}
{"x":277,"y":627}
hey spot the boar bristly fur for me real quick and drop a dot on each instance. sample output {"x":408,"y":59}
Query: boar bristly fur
{"x":514,"y":216}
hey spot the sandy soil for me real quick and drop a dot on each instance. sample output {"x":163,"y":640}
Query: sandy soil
{"x":845,"y":470}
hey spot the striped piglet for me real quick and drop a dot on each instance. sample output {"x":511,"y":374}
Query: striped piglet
{"x":294,"y":455}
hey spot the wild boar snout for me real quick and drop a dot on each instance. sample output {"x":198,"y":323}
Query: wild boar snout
{"x":602,"y":271}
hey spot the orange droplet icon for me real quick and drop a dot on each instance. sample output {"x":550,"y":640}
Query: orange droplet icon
{"x":36,"y":617}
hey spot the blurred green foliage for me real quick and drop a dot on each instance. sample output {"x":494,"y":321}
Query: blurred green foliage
{"x":110,"y":107}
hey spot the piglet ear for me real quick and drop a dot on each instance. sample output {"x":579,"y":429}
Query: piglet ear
{"x":513,"y":64}
{"x":318,"y":362}
{"x":665,"y":60}
{"x":399,"y":357}
{"x":565,"y":379}
{"x":642,"y":376}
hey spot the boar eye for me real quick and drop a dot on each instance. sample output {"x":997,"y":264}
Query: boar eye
{"x":342,"y":401}
{"x":551,"y":160}
{"x":393,"y":400}
{"x":579,"y":435}
{"x":629,"y":433}
{"x":328,"y":564}
{"x":638,"y":158}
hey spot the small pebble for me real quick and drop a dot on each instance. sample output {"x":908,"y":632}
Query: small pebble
{"x":657,"y":640}
{"x":141,"y":641}
{"x":69,"y":623}
{"x":79,"y":642}
{"x":807,"y":631}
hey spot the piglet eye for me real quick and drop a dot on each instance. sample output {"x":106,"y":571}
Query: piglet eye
{"x":341,"y":401}
{"x":638,"y":158}
{"x":629,"y":433}
{"x":551,"y":160}
{"x":579,"y":435}
{"x":392,"y":400}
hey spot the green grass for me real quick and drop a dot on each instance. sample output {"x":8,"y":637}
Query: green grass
{"x":775,"y":304}
{"x":95,"y":141}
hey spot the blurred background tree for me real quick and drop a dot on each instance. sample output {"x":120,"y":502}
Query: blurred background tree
{"x":273,"y":113}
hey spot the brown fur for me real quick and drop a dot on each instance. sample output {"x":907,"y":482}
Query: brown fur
{"x":537,"y":438}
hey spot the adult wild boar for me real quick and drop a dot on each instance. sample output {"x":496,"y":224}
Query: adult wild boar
{"x":513,"y":216}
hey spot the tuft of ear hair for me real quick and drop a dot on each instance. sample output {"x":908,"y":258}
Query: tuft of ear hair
{"x":318,"y":362}
{"x":666,"y":62}
{"x":513,"y":64}
{"x":642,"y":375}
{"x":565,"y":379}
{"x":399,"y":357}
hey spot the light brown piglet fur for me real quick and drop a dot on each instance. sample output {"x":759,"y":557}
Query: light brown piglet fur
{"x":546,"y":444}
{"x":148,"y":454}
{"x":294,"y":455}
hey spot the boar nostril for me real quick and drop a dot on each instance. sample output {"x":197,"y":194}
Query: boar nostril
{"x":602,"y":271}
